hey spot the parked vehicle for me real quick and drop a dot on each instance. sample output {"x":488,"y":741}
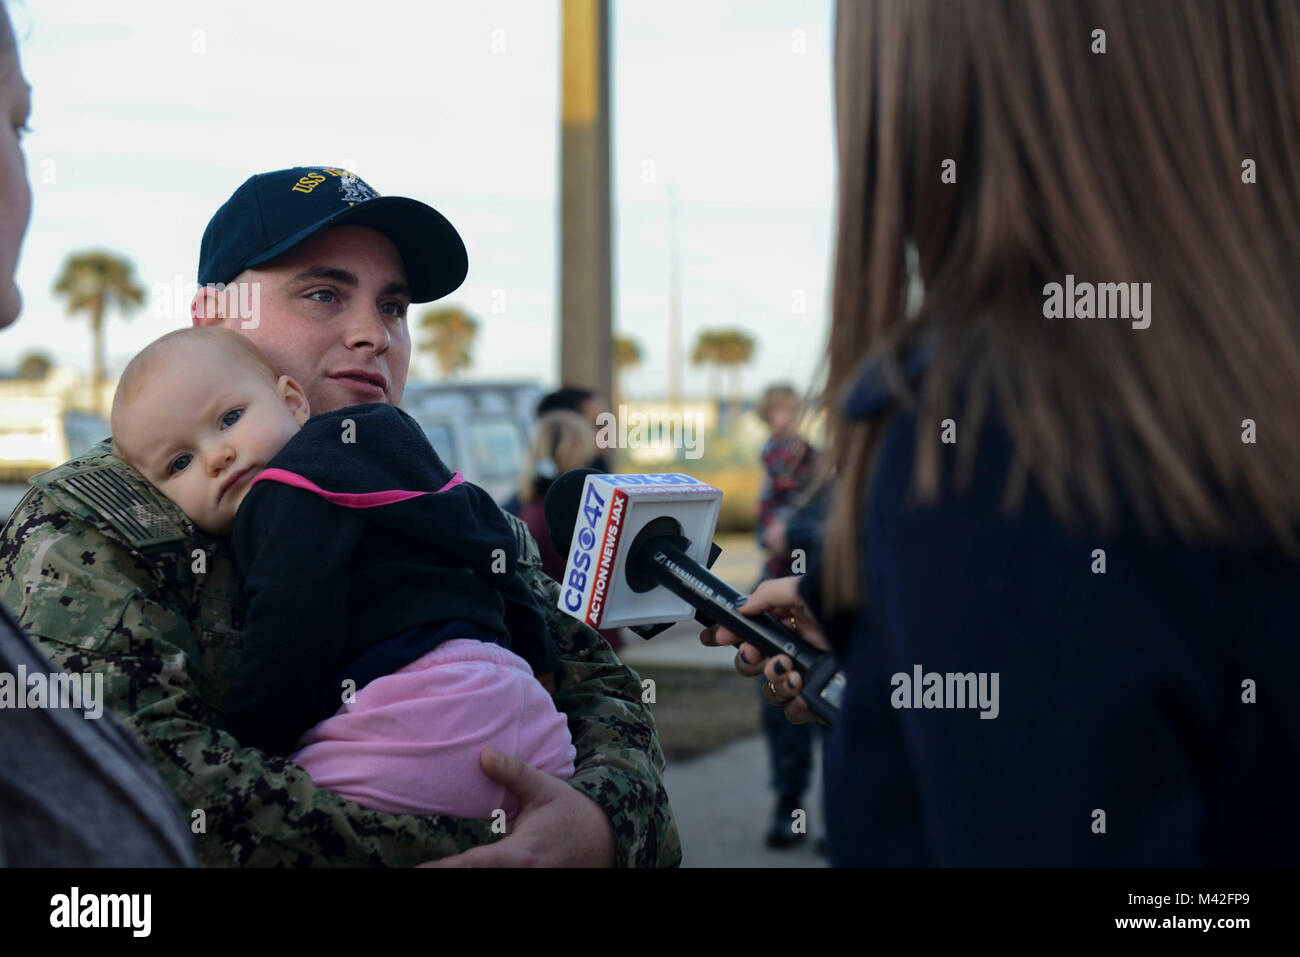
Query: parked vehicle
{"x":481,"y":429}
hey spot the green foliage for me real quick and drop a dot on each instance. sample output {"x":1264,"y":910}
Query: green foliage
{"x":449,"y":335}
{"x":627,"y":353}
{"x":35,"y":366}
{"x":92,"y":282}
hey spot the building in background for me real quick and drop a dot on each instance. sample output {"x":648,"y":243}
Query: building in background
{"x":43,"y":423}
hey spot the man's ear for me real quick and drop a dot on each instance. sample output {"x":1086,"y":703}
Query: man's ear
{"x":205,"y":309}
{"x":294,"y":398}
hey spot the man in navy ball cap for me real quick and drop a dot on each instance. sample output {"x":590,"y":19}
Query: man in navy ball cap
{"x":317,"y":270}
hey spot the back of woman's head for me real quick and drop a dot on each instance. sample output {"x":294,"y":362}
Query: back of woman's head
{"x":989,"y":149}
{"x":562,"y":440}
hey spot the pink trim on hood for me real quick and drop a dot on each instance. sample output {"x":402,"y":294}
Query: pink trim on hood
{"x":348,"y":499}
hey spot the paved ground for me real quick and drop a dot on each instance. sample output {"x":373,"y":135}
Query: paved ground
{"x":723,"y":805}
{"x":721,"y":800}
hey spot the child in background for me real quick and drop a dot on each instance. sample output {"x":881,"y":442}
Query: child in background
{"x":787,"y":470}
{"x":372,"y":576}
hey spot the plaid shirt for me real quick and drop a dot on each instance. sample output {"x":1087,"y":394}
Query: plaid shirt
{"x":787,"y":469}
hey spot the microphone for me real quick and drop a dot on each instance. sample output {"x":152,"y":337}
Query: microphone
{"x":635,"y":543}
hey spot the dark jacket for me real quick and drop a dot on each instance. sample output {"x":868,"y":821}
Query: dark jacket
{"x":1124,"y":693}
{"x":339,"y":590}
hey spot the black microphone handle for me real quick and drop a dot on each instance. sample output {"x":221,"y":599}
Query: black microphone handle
{"x":716,"y":603}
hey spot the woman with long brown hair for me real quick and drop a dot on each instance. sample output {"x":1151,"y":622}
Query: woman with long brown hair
{"x":1062,"y":566}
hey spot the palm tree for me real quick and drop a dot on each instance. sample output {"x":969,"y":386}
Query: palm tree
{"x":708,"y":351}
{"x":35,"y":366}
{"x":450,"y":336}
{"x":736,"y":348}
{"x":724,"y":349}
{"x":627,"y":355}
{"x":92,"y":282}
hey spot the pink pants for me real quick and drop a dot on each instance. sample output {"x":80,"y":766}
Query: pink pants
{"x":410,"y":742}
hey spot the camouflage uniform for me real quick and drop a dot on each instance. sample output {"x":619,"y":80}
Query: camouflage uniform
{"x":106,"y":574}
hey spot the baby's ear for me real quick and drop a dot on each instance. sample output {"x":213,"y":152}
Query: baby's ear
{"x":294,"y":398}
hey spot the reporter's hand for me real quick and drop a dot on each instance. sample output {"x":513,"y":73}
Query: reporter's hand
{"x":556,"y":825}
{"x":780,"y":596}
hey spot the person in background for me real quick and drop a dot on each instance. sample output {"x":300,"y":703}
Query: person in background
{"x":787,"y":460}
{"x":564,"y":440}
{"x":587,"y":404}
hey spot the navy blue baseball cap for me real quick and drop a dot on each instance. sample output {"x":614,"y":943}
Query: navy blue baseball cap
{"x":273,"y":212}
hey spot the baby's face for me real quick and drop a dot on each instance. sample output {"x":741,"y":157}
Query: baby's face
{"x":201,"y":431}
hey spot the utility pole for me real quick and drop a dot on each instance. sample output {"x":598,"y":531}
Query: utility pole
{"x":586,"y":311}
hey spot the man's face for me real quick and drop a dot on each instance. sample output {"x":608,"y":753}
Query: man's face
{"x":205,"y":428}
{"x":15,"y":193}
{"x":332,"y":315}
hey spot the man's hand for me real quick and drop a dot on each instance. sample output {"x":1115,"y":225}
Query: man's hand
{"x":556,"y":825}
{"x":780,"y":596}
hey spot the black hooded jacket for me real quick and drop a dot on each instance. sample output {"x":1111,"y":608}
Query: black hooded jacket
{"x":351,"y":589}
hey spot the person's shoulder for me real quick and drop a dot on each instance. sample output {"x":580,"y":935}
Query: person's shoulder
{"x":85,"y":536}
{"x":96,"y":494}
{"x":356,"y":423}
{"x":365,"y":412}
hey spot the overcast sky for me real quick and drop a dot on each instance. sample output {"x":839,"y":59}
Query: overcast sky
{"x":147,"y":115}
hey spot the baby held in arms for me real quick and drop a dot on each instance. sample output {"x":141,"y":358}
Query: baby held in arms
{"x":387,"y":637}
